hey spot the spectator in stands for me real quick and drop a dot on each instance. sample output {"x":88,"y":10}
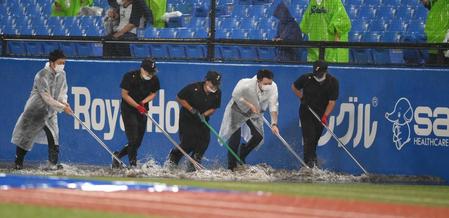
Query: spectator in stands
{"x":288,"y":30}
{"x":319,"y":91}
{"x":199,"y":101}
{"x":133,"y":14}
{"x":243,"y":114}
{"x":326,"y":20}
{"x":437,"y":25}
{"x":69,"y":8}
{"x":39,"y":122}
{"x":158,"y":7}
{"x":138,"y":88}
{"x":111,"y":20}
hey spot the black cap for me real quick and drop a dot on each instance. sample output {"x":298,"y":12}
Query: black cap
{"x":149,"y":65}
{"x":214,"y":77}
{"x":56,"y":54}
{"x":319,"y":68}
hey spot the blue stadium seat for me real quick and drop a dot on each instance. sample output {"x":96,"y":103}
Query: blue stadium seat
{"x":17,"y":48}
{"x":361,"y":56}
{"x":248,"y":52}
{"x":227,"y":23}
{"x":261,"y":2}
{"x":167,"y":33}
{"x":200,"y":33}
{"x":391,"y":36}
{"x":151,"y":32}
{"x":34,"y":49}
{"x":159,"y":51}
{"x":249,"y":24}
{"x":222,"y":34}
{"x":386,"y":13}
{"x":371,"y":37}
{"x":367,"y":12}
{"x":420,"y":13}
{"x":392,"y":3}
{"x":239,"y":34}
{"x":229,"y":52}
{"x":140,"y":50}
{"x":255,"y":34}
{"x":49,"y":47}
{"x":245,"y":2}
{"x":404,"y":13}
{"x":176,"y":51}
{"x":353,"y":12}
{"x":69,"y":49}
{"x":355,"y":36}
{"x":397,"y":25}
{"x":85,"y":49}
{"x":381,"y":56}
{"x":185,"y":34}
{"x":92,"y":31}
{"x":266,"y":53}
{"x":359,"y":25}
{"x":258,"y":11}
{"x":377,"y":25}
{"x":416,"y":26}
{"x":354,"y":2}
{"x":372,"y":2}
{"x":195,"y":51}
{"x":42,"y":31}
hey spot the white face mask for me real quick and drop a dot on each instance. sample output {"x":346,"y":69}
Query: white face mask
{"x":211,"y":89}
{"x":59,"y":68}
{"x":265,"y":87}
{"x":146,"y":77}
{"x":120,"y":2}
{"x":320,"y":79}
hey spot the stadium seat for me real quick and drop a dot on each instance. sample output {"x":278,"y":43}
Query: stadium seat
{"x":69,"y":49}
{"x":420,"y":13}
{"x":355,"y":36}
{"x":381,"y":56}
{"x":85,"y":49}
{"x":359,"y":25}
{"x":140,"y":50}
{"x":397,"y":25}
{"x":377,"y":25}
{"x":167,"y":33}
{"x":416,"y":26}
{"x":354,"y":2}
{"x":372,"y":2}
{"x":386,"y":13}
{"x":361,"y":56}
{"x":34,"y":49}
{"x":371,"y":37}
{"x":367,"y":12}
{"x":404,"y":13}
{"x":176,"y":51}
{"x":391,"y":36}
{"x":222,"y":34}
{"x":185,"y":34}
{"x":159,"y":51}
{"x":248,"y":52}
{"x":239,"y":34}
{"x":49,"y":47}
{"x":229,"y":52}
{"x":353,"y":12}
{"x":195,"y":51}
{"x":266,"y":53}
{"x":17,"y":48}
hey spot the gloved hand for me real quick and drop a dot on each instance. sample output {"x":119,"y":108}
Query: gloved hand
{"x":202,"y":117}
{"x":324,"y":119}
{"x":141,"y":110}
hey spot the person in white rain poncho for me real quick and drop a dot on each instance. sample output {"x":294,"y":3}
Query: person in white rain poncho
{"x":243,"y":114}
{"x":38,"y":123}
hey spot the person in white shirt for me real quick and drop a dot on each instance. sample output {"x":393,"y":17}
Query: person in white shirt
{"x":39,"y":121}
{"x":243,"y":114}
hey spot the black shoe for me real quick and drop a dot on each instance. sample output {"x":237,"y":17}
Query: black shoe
{"x":115,"y":164}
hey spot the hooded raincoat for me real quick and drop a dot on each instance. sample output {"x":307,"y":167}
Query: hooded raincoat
{"x":323,"y":22}
{"x":437,"y":23}
{"x":158,"y":8}
{"x":48,"y":95}
{"x":288,"y":30}
{"x":237,"y":112}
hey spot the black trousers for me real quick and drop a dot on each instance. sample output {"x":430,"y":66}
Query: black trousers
{"x":53,"y":149}
{"x":118,"y":49}
{"x":242,"y":150}
{"x":135,"y":126}
{"x":311,"y":133}
{"x":195,"y":138}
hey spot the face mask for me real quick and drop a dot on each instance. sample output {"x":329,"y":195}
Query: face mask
{"x":120,"y":2}
{"x":145,"y":77}
{"x":265,"y":87}
{"x":59,"y":67}
{"x":320,"y":79}
{"x":210,"y":89}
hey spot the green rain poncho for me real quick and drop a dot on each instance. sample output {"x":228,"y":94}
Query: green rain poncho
{"x":321,"y":22}
{"x":69,"y":7}
{"x":437,"y":23}
{"x":158,"y":7}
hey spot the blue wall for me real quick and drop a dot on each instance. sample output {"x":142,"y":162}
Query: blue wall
{"x":366,"y":95}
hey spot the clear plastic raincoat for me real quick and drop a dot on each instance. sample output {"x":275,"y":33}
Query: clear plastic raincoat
{"x":323,"y":22}
{"x":237,"y":112}
{"x":48,"y":95}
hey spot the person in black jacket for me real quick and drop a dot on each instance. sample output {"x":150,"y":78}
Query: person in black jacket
{"x":319,"y":91}
{"x":199,"y":101}
{"x":138,"y":88}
